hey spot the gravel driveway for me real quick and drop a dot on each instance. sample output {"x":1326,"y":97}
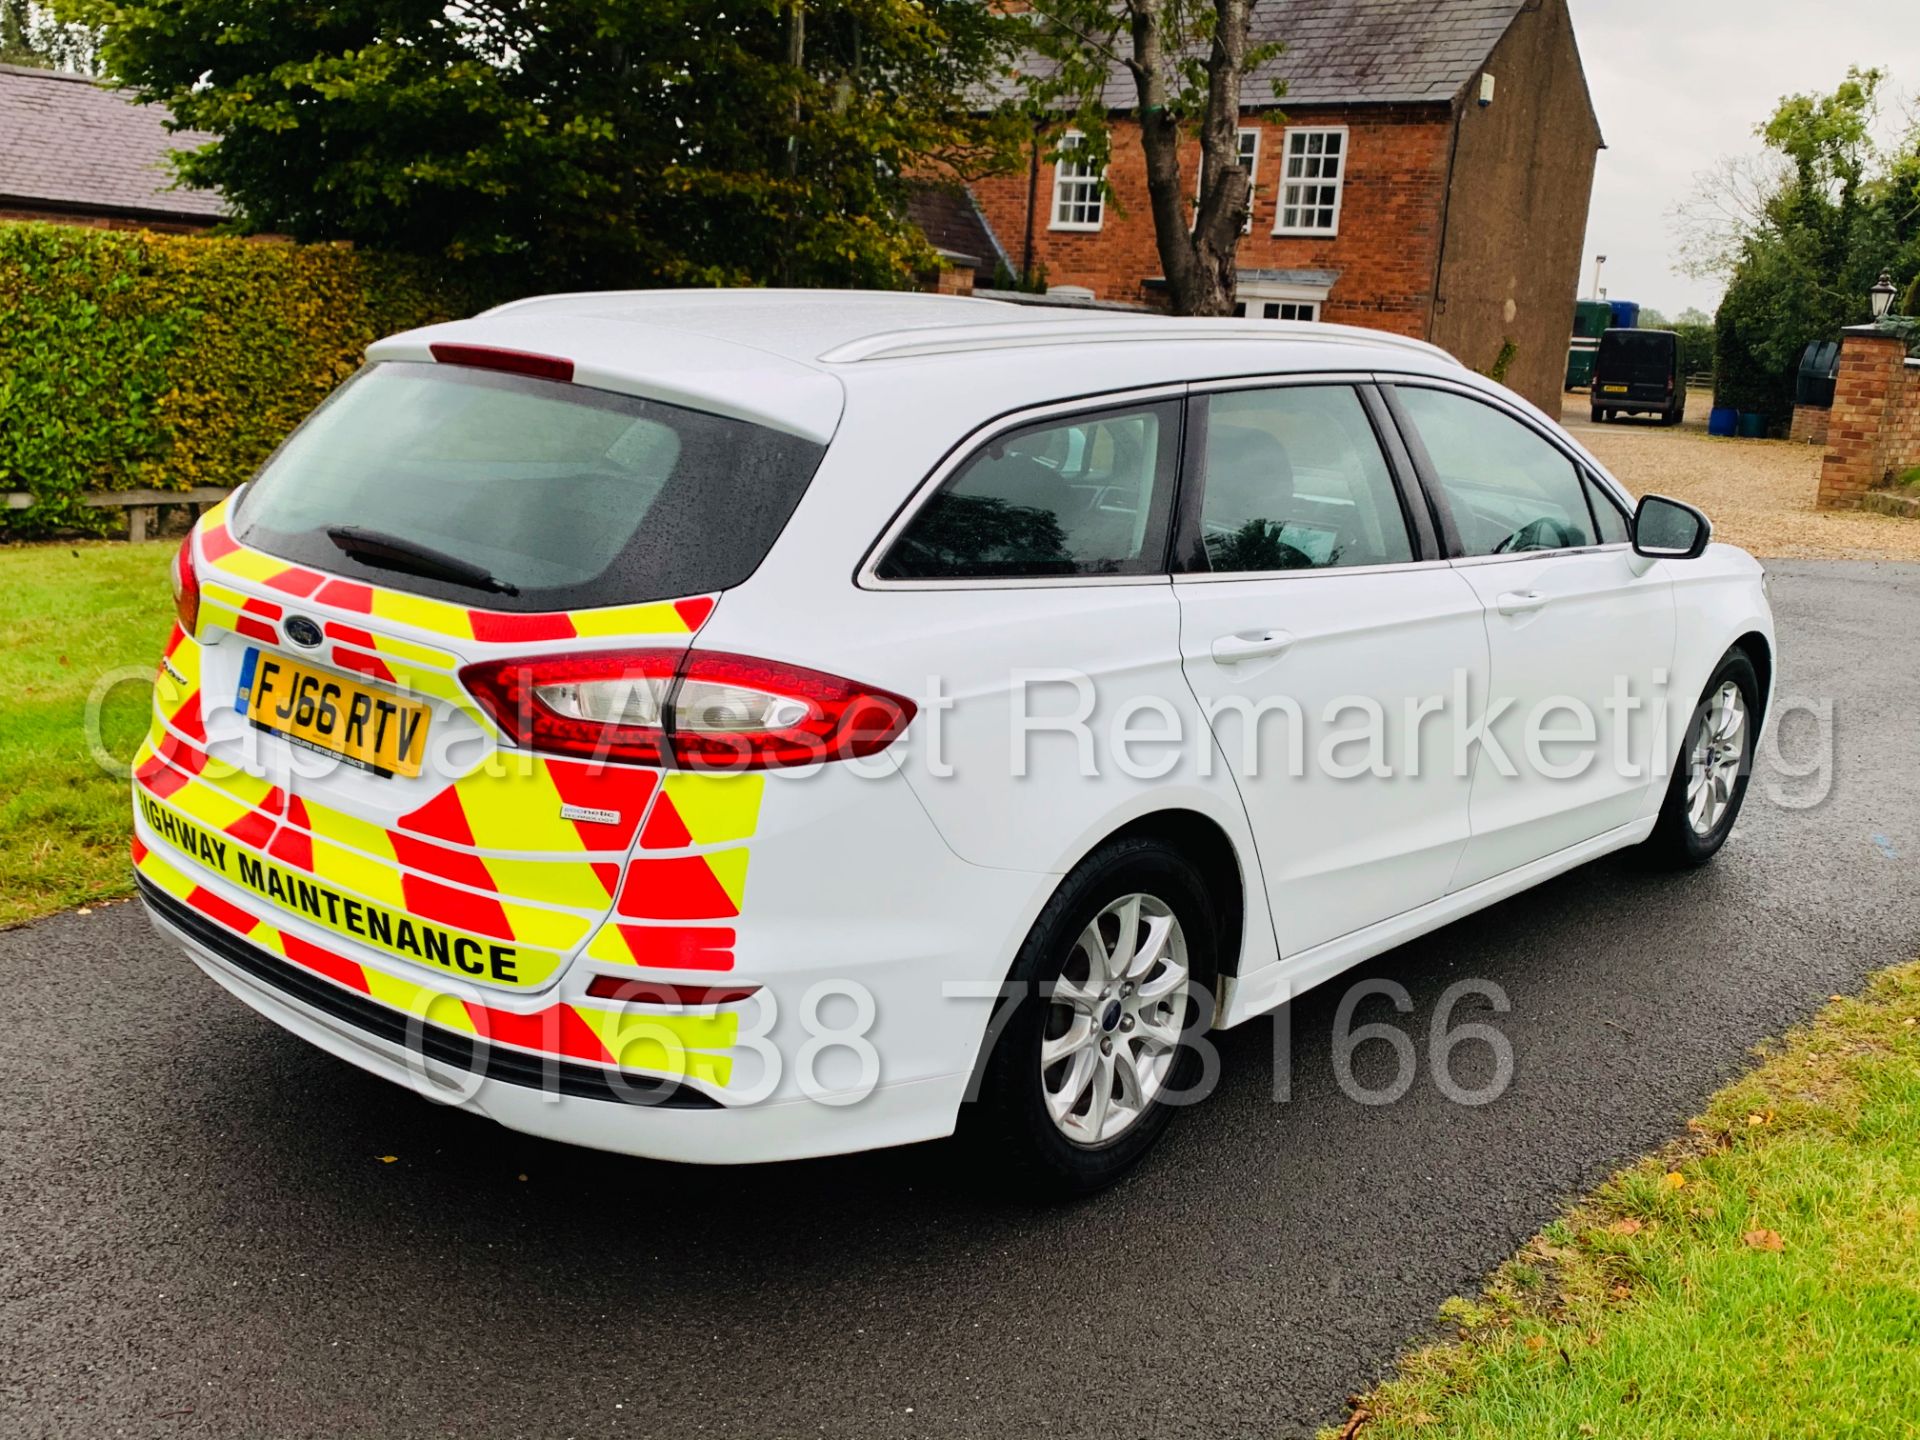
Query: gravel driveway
{"x":1759,"y":493}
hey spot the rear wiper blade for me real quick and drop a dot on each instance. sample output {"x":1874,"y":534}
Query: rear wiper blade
{"x":390,"y":552}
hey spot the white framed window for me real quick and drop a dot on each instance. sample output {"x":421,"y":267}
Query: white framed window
{"x":1077,"y":201}
{"x":1278,"y":309}
{"x":1275,"y":297}
{"x":1313,"y":173}
{"x":1248,"y":144}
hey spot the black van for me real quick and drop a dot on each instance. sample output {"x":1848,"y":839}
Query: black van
{"x":1637,"y":372}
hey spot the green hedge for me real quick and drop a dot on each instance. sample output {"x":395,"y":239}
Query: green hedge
{"x":130,"y":360}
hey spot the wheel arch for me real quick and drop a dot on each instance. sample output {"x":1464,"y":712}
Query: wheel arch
{"x":1202,"y":839}
{"x":1759,"y":650}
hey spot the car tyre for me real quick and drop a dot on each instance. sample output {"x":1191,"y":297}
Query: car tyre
{"x":1058,"y":997}
{"x":1599,"y":416}
{"x":1711,"y":771}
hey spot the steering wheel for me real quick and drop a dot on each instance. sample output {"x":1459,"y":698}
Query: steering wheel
{"x":1546,"y":533}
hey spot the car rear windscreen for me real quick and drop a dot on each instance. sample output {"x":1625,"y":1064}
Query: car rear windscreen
{"x":567,"y":497}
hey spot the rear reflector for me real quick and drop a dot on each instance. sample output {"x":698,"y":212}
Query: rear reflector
{"x":517,"y":362}
{"x":691,"y":709}
{"x":662,"y":992}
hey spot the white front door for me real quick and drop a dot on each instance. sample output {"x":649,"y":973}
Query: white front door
{"x":1581,"y":632}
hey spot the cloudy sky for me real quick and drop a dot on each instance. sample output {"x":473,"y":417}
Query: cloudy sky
{"x":1680,"y":83}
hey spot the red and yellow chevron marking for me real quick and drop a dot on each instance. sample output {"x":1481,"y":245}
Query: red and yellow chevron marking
{"x":685,"y":887}
{"x":219,"y":550}
{"x":176,"y":685}
{"x":651,"y":1042}
{"x":509,"y":809}
{"x":664,"y":947}
{"x":512,"y":802}
{"x":412,"y":917}
{"x":701,"y":810}
{"x":312,"y":836}
{"x":693,"y":810}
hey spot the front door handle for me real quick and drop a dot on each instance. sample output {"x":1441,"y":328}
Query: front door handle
{"x":1519,"y":602}
{"x":1249,"y":645}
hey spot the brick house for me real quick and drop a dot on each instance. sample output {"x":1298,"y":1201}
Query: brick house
{"x":75,"y":152}
{"x":1427,"y":172}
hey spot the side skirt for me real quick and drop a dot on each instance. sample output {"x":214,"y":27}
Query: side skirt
{"x":1245,"y":996}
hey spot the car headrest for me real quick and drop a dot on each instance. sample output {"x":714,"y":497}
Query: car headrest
{"x":1247,"y":470}
{"x":1015,"y":478}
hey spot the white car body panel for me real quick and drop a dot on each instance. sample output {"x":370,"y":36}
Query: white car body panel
{"x":1564,"y":626}
{"x":1336,"y":845}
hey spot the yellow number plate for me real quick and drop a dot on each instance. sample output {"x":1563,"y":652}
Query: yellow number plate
{"x":1614,"y":389}
{"x":362,"y":724}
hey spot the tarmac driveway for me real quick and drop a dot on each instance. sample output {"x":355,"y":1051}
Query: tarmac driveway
{"x":199,"y":1235}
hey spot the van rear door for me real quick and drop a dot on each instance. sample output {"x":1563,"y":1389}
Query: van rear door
{"x":1636,"y":365}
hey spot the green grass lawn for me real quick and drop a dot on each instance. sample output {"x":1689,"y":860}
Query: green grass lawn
{"x":72,"y":614}
{"x":1762,"y":1278}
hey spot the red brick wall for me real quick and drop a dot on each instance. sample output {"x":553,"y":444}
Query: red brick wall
{"x":105,"y":222}
{"x":1809,"y":425}
{"x":1904,"y":448}
{"x":1874,"y":430}
{"x":1390,"y":217}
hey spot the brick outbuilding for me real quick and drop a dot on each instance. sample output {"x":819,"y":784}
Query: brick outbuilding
{"x":74,"y":151}
{"x":1427,"y":171}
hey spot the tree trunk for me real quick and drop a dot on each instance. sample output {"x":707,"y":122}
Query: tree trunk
{"x":1199,"y":261}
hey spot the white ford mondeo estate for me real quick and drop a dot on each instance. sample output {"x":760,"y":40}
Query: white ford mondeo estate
{"x":736,"y":726}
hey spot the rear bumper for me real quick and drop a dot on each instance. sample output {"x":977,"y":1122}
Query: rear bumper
{"x":544,"y":1095}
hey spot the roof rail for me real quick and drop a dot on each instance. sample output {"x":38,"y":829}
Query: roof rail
{"x":1098,"y":328}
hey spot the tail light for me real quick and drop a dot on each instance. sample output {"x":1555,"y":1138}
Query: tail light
{"x":186,"y":587}
{"x":690,"y":709}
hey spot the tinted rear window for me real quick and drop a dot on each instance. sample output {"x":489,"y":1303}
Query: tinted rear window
{"x":575,"y":497}
{"x":1636,"y":347}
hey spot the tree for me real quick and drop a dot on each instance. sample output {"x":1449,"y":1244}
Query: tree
{"x":1187,"y":61}
{"x":31,"y":35}
{"x":577,"y":143}
{"x":1801,"y":235}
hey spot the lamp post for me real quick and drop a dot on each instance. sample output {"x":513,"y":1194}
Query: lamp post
{"x":1598,"y":261}
{"x":1882,"y":295}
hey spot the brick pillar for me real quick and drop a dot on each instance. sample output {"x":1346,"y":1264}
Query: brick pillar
{"x":1868,"y":401}
{"x":1809,"y":425}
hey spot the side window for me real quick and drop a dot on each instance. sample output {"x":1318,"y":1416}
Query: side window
{"x":1295,"y":480}
{"x":1607,"y":515}
{"x":1508,"y":489}
{"x":1086,"y":496}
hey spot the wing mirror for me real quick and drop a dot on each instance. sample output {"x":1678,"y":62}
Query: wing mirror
{"x":1665,"y":529}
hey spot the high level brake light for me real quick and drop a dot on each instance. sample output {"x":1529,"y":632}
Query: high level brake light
{"x":497,"y":357}
{"x":689,"y":709}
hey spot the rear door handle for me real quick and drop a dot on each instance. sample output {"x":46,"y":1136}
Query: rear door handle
{"x":1249,"y":645}
{"x":1519,"y":602}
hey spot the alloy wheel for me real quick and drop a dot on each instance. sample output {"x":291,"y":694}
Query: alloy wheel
{"x":1714,"y":758}
{"x":1114,"y":1020}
